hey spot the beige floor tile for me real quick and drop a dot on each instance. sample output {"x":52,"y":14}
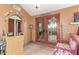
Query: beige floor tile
{"x":37,"y":49}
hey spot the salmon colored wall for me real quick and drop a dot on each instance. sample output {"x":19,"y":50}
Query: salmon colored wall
{"x":33,"y":30}
{"x":4,"y":8}
{"x":66,"y":17}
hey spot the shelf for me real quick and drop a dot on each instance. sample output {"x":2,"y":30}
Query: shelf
{"x":74,"y":22}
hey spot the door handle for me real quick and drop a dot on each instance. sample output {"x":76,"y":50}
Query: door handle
{"x":45,"y":30}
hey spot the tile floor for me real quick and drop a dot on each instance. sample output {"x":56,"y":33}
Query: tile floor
{"x":37,"y":49}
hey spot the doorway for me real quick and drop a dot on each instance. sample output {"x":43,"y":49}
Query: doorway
{"x":48,"y":29}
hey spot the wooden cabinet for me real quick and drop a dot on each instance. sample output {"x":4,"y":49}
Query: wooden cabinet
{"x":14,"y":45}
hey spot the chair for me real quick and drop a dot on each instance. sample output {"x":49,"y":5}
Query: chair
{"x":2,"y":46}
{"x":66,"y":49}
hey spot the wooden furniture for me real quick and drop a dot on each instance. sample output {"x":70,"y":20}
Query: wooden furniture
{"x":48,"y":28}
{"x":77,"y":38}
{"x":14,"y":45}
{"x":14,"y":35}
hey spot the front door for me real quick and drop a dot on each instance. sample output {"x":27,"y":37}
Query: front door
{"x":48,"y":29}
{"x":53,"y":28}
{"x":40,"y":34}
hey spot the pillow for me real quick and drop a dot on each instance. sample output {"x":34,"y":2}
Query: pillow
{"x":72,"y":43}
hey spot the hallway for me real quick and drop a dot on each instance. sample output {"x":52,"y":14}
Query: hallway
{"x":37,"y":49}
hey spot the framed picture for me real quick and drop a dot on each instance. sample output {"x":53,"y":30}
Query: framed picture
{"x":75,"y":18}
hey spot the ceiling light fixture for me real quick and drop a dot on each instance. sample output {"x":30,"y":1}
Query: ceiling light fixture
{"x":36,"y":5}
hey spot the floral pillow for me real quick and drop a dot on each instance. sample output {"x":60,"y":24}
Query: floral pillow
{"x":72,"y":43}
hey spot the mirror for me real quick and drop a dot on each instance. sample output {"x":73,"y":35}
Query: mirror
{"x":14,"y":26}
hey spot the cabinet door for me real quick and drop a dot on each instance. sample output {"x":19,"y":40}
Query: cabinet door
{"x":40,"y":29}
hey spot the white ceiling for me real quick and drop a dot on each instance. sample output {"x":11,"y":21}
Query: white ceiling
{"x":43,"y":8}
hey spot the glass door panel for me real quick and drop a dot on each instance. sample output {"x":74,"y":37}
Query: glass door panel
{"x":52,"y":37}
{"x":40,"y":32}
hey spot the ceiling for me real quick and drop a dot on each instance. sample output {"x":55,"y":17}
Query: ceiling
{"x":43,"y":8}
